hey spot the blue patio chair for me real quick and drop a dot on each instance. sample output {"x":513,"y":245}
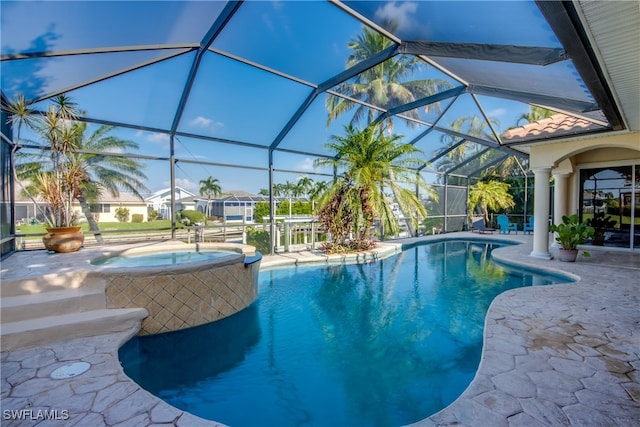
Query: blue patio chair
{"x":528,"y":227}
{"x":505,"y":225}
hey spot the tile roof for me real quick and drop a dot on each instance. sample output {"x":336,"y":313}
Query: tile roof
{"x":557,"y":125}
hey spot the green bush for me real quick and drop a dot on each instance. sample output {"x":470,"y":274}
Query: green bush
{"x":192,"y":216}
{"x":260,"y":210}
{"x":298,"y":207}
{"x":122,"y":214}
{"x":137,"y":218}
{"x":260,"y":239}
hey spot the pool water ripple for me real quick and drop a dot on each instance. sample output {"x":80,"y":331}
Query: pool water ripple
{"x":380,"y":344}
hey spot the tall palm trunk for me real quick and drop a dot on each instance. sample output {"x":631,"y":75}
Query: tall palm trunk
{"x":93,"y":225}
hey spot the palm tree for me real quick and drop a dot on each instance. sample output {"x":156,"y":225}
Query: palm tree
{"x":491,"y":195}
{"x":19,"y":115}
{"x":317,"y":192}
{"x":89,"y":169}
{"x":385,"y":85}
{"x":105,"y":172}
{"x":279,"y":189}
{"x":304,"y":186}
{"x":373,"y":161}
{"x":534,"y":114}
{"x":210,"y":187}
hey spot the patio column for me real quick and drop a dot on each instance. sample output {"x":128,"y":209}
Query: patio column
{"x":541,"y":213}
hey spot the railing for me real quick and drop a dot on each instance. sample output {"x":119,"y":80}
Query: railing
{"x":292,"y":233}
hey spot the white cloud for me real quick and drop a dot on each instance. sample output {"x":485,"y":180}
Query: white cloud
{"x":185,"y":183}
{"x":305,"y":165}
{"x":203,"y":122}
{"x":400,"y":14}
{"x":153,"y":136}
{"x":498,"y":112}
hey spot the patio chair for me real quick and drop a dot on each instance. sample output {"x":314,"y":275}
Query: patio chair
{"x":527,"y":227}
{"x":505,"y":225}
{"x":478,"y":226}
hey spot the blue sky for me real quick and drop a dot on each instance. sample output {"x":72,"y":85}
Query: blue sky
{"x":231,"y":100}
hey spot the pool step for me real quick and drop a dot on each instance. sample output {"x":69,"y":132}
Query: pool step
{"x":49,"y":283}
{"x":48,"y":329}
{"x":31,"y":306}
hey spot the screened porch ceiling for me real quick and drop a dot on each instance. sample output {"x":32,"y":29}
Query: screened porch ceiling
{"x":450,"y":76}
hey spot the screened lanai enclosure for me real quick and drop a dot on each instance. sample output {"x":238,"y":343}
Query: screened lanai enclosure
{"x":249,"y":93}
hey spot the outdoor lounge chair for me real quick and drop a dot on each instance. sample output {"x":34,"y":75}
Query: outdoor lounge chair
{"x":478,"y":226}
{"x":505,"y":225}
{"x":527,"y":227}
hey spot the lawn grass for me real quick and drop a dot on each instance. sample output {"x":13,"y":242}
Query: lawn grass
{"x":110,"y":227}
{"x":626,"y":219}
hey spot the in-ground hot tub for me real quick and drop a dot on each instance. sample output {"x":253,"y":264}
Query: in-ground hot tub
{"x":180,"y":285}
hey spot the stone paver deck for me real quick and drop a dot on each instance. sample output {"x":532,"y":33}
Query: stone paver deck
{"x":557,"y":355}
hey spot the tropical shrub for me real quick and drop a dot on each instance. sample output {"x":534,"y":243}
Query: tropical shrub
{"x":373,"y":163}
{"x":122,"y":214}
{"x":194,"y":217}
{"x":571,"y":232}
{"x":137,"y":218}
{"x":260,"y":239}
{"x":260,"y":210}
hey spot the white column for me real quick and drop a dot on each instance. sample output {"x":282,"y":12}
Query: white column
{"x":541,"y":213}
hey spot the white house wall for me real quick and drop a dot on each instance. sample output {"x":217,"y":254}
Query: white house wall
{"x":563,"y":159}
{"x":111,"y":215}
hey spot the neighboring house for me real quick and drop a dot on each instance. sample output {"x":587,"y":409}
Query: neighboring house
{"x":104,"y":210}
{"x":233,"y":205}
{"x":160,"y":201}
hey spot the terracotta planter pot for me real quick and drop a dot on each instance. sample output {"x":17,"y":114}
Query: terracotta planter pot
{"x":63,"y":239}
{"x":567,"y":255}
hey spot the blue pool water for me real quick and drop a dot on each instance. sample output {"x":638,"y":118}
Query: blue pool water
{"x":380,"y":344}
{"x":160,"y":258}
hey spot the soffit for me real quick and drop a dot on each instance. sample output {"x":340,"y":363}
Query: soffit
{"x":614,"y":29}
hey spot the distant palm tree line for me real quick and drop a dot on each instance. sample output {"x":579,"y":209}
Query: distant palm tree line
{"x":304,"y":187}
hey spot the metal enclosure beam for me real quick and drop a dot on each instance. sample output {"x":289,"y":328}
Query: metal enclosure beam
{"x":565,"y":22}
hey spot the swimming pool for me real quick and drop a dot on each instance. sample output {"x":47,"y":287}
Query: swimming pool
{"x":380,"y":344}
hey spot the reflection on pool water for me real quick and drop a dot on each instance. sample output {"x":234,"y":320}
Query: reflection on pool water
{"x":160,"y":258}
{"x":380,"y":344}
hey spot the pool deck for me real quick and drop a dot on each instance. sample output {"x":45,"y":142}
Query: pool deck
{"x":556,"y":355}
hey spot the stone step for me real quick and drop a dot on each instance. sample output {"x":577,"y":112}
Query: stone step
{"x":45,"y":330}
{"x":50,"y":283}
{"x":31,"y":306}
